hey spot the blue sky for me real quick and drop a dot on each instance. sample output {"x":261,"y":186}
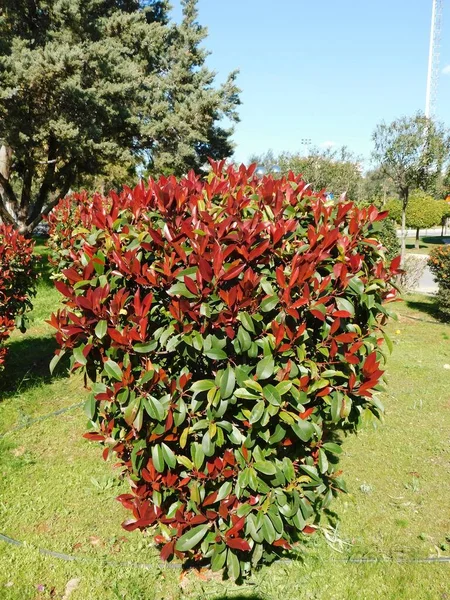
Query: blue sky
{"x":326,"y":70}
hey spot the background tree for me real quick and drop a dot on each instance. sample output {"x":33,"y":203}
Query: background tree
{"x":189,"y":118}
{"x":411,"y":152}
{"x":89,"y":89}
{"x":422,"y":212}
{"x":445,"y":210}
{"x":377,"y":187}
{"x":336,"y":170}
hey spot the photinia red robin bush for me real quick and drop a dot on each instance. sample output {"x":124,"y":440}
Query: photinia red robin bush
{"x":232,"y":330}
{"x":17,"y":279}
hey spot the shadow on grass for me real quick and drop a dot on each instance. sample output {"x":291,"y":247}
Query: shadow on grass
{"x":425,"y":242}
{"x":430,"y":308}
{"x":434,"y":240}
{"x":27,"y":364}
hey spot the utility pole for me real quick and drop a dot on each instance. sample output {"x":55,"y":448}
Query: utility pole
{"x":433,"y":58}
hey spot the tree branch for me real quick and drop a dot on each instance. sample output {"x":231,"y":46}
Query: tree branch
{"x":32,"y":222}
{"x":6,"y":217}
{"x":7,"y":189}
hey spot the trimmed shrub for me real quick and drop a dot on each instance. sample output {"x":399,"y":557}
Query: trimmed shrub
{"x":16,"y":282}
{"x":439,"y":263}
{"x":232,"y":329}
{"x":386,"y":233}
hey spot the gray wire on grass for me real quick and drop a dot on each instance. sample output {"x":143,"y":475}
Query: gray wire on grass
{"x":41,"y":418}
{"x":161,"y":566}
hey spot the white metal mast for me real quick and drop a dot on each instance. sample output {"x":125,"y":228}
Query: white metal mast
{"x":433,"y":58}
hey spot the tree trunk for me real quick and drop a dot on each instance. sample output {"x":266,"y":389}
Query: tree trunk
{"x":404,"y":198}
{"x":5,"y":170}
{"x":417,"y":244}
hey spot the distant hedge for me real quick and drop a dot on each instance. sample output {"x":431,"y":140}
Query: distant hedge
{"x":439,"y":263}
{"x":17,"y":279}
{"x":232,"y":330}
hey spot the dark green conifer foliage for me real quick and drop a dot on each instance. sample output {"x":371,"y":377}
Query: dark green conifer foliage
{"x":90,"y":90}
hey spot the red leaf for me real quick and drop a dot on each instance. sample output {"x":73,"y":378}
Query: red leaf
{"x":95,"y":437}
{"x":282,"y":543}
{"x":210,"y":499}
{"x":238,"y":544}
{"x":309,"y":529}
{"x":190,"y":284}
{"x":167,"y":550}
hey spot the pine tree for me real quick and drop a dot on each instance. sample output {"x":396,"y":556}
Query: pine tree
{"x":87,"y":88}
{"x":192,"y":129}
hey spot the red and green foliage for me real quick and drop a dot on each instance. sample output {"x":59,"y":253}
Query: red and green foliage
{"x":439,"y":263}
{"x":16,"y":282}
{"x":232,"y":329}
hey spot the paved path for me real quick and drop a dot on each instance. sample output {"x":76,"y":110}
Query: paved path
{"x":426,"y":283}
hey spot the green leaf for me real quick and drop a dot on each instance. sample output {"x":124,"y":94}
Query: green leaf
{"x":265,"y":466}
{"x":265,"y":368}
{"x":268,"y":530}
{"x":55,"y":360}
{"x":224,"y":491}
{"x":207,"y":445}
{"x":388,"y":341}
{"x":154,"y":408}
{"x":158,"y":458}
{"x":131,"y":410}
{"x":333,"y":448}
{"x":138,"y":446}
{"x":323,"y":461}
{"x":227,"y":383}
{"x":257,"y":412}
{"x":269,"y":303}
{"x":283,"y":387}
{"x":197,"y":454}
{"x":215,"y":354}
{"x":191,"y":538}
{"x":336,"y":406}
{"x":143,"y":348}
{"x":278,"y":435}
{"x":179,"y":289}
{"x":272,"y":395}
{"x":90,"y":407}
{"x":312,"y":472}
{"x":168,"y":455}
{"x":356,"y":285}
{"x":219,"y":557}
{"x":253,"y":385}
{"x":344,"y":304}
{"x":244,"y":339}
{"x":247,"y":321}
{"x":113,"y":370}
{"x":245,"y":394}
{"x":79,"y":356}
{"x":202,"y":386}
{"x":100,"y":329}
{"x":233,"y":566}
{"x":303,"y":429}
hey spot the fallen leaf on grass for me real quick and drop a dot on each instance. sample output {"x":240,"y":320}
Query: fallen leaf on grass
{"x":95,"y":541}
{"x":72,"y":585}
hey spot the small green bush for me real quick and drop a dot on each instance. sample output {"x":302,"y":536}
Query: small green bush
{"x":439,"y":263}
{"x":232,"y":331}
{"x":387,"y":234}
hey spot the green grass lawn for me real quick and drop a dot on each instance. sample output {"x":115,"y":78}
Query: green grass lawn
{"x":57,"y":493}
{"x":426,"y":244}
